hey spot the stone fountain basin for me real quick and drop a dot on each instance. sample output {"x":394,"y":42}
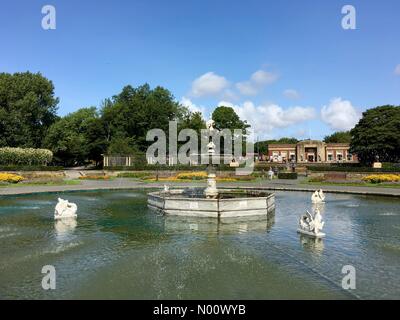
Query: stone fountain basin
{"x":230,"y":203}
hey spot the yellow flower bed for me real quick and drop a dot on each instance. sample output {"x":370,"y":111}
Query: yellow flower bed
{"x":10,"y":177}
{"x":201,"y":175}
{"x":189,"y":176}
{"x":378,"y":178}
{"x":227,"y":179}
{"x":94,"y":178}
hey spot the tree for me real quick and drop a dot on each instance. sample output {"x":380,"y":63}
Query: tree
{"x":226,"y":118}
{"x":27,"y":109}
{"x":377,"y":134}
{"x":192,"y":120}
{"x":338,"y":137}
{"x":134,"y":111}
{"x":122,"y":146}
{"x":77,"y":137}
{"x":95,"y":135}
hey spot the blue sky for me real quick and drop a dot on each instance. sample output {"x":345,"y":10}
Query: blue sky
{"x":288,"y":67}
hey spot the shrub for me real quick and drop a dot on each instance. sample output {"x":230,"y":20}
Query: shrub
{"x":287,"y":175}
{"x":347,"y":168}
{"x":242,"y":178}
{"x":192,"y":175}
{"x":155,"y":167}
{"x":30,"y":168}
{"x":94,"y":177}
{"x":139,"y":175}
{"x":378,"y":178}
{"x":181,"y":167}
{"x":10,"y":178}
{"x":317,"y":179}
{"x":27,"y":156}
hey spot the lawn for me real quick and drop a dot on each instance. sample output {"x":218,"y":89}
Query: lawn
{"x":352,"y":184}
{"x":41,"y":183}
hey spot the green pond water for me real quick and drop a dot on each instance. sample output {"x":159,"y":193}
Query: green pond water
{"x":121,"y":249}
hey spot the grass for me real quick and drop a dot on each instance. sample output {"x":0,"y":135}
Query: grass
{"x":41,"y":183}
{"x":352,"y":184}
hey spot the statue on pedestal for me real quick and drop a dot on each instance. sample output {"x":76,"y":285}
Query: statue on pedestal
{"x":211,"y":190}
{"x":65,"y":209}
{"x":318,"y":196}
{"x":311,"y":225}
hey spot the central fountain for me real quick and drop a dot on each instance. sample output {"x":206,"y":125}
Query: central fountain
{"x":212,"y":201}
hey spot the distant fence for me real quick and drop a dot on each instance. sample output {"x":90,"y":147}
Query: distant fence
{"x":117,"y":161}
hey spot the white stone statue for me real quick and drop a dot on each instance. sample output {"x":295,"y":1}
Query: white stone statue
{"x":211,"y":191}
{"x":318,"y":196}
{"x":311,"y":225}
{"x":321,"y":194}
{"x":210,"y":125}
{"x":65,"y":209}
{"x":270,"y":174}
{"x":211,"y":148}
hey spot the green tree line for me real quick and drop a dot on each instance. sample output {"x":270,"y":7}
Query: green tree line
{"x":28,"y":119}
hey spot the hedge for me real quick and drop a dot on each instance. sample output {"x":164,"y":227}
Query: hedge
{"x":352,"y":169}
{"x":180,"y":167}
{"x":30,"y":168}
{"x":287,"y":175}
{"x":24,"y":156}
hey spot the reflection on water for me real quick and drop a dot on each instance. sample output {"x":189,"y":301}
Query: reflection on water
{"x":65,"y":228}
{"x":314,"y":245}
{"x":118,"y":248}
{"x":223,"y":226}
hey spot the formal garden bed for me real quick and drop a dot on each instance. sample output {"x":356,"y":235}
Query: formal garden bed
{"x":372,"y":180}
{"x":198,"y":176}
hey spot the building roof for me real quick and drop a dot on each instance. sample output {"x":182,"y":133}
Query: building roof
{"x":270,"y":146}
{"x":338,"y":145}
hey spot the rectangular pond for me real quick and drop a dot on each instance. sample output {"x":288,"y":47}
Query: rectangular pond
{"x":119,"y":249}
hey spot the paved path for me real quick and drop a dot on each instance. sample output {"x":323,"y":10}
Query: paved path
{"x":288,"y":185}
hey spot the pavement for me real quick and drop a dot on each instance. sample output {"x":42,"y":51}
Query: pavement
{"x":127,"y":183}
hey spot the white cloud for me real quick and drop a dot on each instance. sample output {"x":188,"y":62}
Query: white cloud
{"x":209,"y":84}
{"x":192,"y":106}
{"x":257,"y":81}
{"x":340,"y":114}
{"x":214,"y":85}
{"x":291,"y":94}
{"x":228,"y":94}
{"x":247,"y":88}
{"x":397,"y":70}
{"x":266,"y":118}
{"x":262,"y":77}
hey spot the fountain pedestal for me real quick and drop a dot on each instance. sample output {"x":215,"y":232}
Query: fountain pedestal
{"x":213,"y":202}
{"x":211,"y":191}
